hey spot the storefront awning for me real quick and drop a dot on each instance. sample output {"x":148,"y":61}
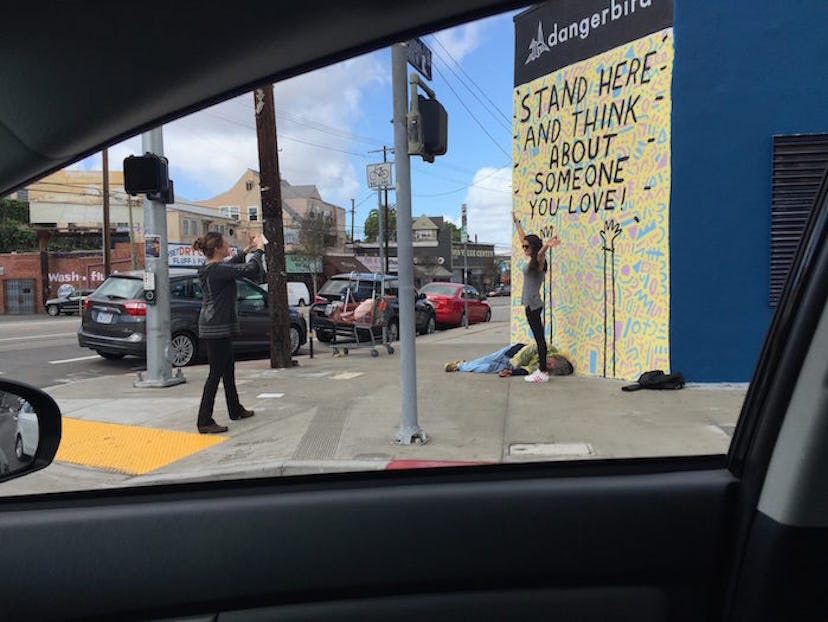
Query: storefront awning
{"x":431,"y":272}
{"x":340,"y":264}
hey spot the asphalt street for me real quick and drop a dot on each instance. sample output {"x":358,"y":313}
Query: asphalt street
{"x":44,"y":352}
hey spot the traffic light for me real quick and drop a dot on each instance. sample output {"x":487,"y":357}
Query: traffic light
{"x":427,"y":129}
{"x":148,"y":174}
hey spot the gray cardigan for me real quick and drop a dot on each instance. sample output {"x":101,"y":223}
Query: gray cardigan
{"x":219,"y":315}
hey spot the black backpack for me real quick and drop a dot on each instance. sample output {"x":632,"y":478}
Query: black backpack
{"x":656,"y":379}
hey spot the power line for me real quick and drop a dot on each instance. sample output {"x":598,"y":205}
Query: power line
{"x":326,"y":129}
{"x":291,"y":138}
{"x":467,"y":186}
{"x":507,"y":125}
{"x":476,"y":120}
{"x":482,"y":92}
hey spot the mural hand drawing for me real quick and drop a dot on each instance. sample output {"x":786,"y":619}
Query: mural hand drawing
{"x":609,"y":234}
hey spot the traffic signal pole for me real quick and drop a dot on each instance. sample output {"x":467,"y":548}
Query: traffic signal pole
{"x":410,"y":431}
{"x":159,"y":372}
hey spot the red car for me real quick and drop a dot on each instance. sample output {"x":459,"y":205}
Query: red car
{"x":449,"y":299}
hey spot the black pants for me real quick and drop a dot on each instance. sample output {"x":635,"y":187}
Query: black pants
{"x":222,"y":367}
{"x":533,"y":316}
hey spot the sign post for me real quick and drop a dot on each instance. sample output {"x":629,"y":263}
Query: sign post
{"x":379,"y":178}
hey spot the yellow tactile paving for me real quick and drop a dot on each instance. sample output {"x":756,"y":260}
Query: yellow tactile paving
{"x":126,"y":449}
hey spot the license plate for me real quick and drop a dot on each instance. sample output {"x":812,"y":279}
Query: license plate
{"x":104,"y":318}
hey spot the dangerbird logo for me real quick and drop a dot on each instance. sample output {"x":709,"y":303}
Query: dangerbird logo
{"x":537,"y":46}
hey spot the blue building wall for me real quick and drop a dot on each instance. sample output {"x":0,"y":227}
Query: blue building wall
{"x":743,"y":72}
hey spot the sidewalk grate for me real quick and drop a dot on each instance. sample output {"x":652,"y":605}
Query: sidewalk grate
{"x":321,"y":439}
{"x":126,"y":449}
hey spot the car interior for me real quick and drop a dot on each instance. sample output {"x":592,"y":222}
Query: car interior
{"x":741,"y":537}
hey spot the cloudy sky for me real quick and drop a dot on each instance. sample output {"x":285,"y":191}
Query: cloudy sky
{"x":332,"y":122}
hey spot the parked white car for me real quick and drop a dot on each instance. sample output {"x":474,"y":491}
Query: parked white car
{"x":28,"y":434}
{"x":298,"y":294}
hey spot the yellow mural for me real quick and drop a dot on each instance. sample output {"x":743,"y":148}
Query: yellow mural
{"x":591,"y":157}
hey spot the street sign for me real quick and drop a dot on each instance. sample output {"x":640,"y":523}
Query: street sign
{"x":419,"y":57}
{"x":464,"y":236}
{"x":379,"y":175}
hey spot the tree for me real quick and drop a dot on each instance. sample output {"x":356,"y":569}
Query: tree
{"x":317,"y":233}
{"x":15,"y":234}
{"x":455,"y":230}
{"x":372,"y":225}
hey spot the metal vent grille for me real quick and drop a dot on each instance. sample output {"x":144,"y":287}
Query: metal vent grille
{"x":799,"y":163}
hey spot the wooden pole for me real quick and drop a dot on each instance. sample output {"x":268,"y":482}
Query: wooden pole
{"x":272,"y":224}
{"x":107,"y":234}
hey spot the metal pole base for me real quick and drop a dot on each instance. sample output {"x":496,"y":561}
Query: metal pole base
{"x":410,"y":436}
{"x":160,"y":383}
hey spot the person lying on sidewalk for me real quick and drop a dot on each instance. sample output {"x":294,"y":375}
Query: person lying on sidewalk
{"x":516,"y":360}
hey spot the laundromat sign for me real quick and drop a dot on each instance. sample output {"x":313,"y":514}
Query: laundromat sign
{"x":185,"y":256}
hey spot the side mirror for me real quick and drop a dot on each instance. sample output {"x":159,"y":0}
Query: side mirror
{"x":30,"y":429}
{"x":421,"y":296}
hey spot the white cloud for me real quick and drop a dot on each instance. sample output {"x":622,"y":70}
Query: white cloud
{"x":489,"y":203}
{"x":209,"y":150}
{"x":459,"y":41}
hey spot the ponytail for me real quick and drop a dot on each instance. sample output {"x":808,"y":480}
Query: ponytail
{"x":209,"y":243}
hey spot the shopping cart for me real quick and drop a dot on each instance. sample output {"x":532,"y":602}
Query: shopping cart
{"x":356,"y":321}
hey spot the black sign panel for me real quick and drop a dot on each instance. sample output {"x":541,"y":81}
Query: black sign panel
{"x":419,"y":57}
{"x":560,"y":33}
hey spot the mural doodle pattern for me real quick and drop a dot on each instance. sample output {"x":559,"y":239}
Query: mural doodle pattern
{"x":591,"y":157}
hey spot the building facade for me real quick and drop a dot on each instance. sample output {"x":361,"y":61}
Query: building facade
{"x":649,"y":135}
{"x":243,"y":201}
{"x":436,"y":256}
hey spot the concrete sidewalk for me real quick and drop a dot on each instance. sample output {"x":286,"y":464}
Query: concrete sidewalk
{"x":341,"y":413}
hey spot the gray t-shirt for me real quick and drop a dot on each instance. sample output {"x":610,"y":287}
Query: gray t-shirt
{"x":532,"y":282}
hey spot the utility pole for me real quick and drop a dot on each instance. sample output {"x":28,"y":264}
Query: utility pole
{"x":410,"y":431}
{"x":107,"y":234}
{"x":132,"y":255}
{"x":464,"y":238}
{"x":273,"y":227}
{"x":385,"y":209}
{"x":353,"y":242}
{"x":157,"y":279}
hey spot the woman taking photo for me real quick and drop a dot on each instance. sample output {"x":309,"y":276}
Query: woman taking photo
{"x":219,"y":321}
{"x":535,"y":251}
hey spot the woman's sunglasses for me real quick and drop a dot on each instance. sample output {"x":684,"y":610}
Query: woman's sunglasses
{"x":524,"y":246}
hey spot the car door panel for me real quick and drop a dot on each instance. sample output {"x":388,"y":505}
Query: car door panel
{"x":656,"y":536}
{"x":254,"y":318}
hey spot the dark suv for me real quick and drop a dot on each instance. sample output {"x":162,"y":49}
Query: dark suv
{"x":114,"y":318}
{"x":363,"y":286}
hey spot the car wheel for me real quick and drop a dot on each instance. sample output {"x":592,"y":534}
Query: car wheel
{"x":431,"y":325}
{"x":111,"y":356}
{"x":393,"y":331}
{"x":18,"y":449}
{"x":294,"y":340}
{"x":324,"y":336}
{"x":488,"y":317}
{"x":53,"y":310}
{"x":182,"y":350}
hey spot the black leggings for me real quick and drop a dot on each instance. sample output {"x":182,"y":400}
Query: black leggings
{"x":533,"y":316}
{"x":222,"y":367}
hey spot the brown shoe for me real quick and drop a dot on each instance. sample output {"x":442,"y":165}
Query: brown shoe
{"x":212,"y":428}
{"x":242,"y":414}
